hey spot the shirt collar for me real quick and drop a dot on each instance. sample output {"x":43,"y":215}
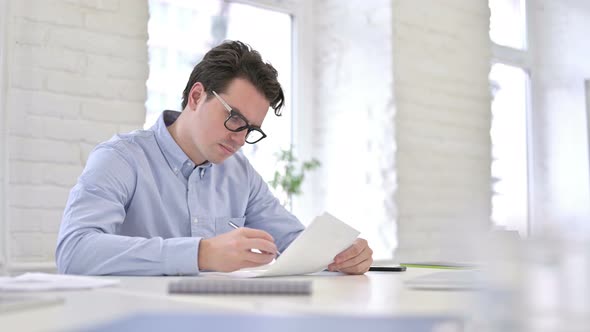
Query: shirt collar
{"x":176,"y":158}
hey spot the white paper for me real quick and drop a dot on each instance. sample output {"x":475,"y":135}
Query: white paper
{"x":448,"y":280}
{"x":32,"y":282}
{"x":311,"y":252}
{"x":13,"y":302}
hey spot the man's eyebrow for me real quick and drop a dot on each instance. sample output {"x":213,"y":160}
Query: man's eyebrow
{"x":237,"y":110}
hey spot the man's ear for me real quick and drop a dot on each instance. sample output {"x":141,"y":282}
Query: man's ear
{"x":196,"y":94}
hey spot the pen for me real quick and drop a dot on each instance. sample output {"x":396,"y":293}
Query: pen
{"x":236,"y":227}
{"x":387,"y":268}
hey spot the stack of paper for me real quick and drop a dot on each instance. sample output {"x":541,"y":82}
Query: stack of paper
{"x":33,"y":282}
{"x":448,"y":280}
{"x":13,"y":302}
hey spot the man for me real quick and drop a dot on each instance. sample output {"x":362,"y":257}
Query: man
{"x":160,"y":201}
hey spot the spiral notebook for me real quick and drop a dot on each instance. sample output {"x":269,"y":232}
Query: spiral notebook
{"x":240,"y":286}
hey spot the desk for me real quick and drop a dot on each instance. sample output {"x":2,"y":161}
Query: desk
{"x":376,"y":293}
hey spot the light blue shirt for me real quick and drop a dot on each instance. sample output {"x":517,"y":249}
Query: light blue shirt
{"x":141,"y":207}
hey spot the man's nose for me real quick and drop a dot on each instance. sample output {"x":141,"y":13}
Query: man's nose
{"x":239,"y":137}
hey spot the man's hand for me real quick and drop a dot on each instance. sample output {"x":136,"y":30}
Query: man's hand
{"x":232,"y":251}
{"x":355,"y":260}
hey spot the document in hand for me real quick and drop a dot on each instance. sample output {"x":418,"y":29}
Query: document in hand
{"x":311,"y":252}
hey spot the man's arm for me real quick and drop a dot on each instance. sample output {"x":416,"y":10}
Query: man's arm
{"x":356,"y":259}
{"x":265,"y":212}
{"x":87,"y":242}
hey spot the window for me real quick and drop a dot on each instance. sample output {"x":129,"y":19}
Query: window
{"x":275,"y":46}
{"x":509,"y":79}
{"x":509,"y":148}
{"x":181,"y":32}
{"x":507,"y":23}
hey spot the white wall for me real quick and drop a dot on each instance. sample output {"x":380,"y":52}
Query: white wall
{"x":77,"y":72}
{"x":561,"y":65}
{"x":442,"y":56}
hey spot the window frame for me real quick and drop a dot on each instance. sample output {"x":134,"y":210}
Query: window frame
{"x":301,"y":12}
{"x":523,"y":58}
{"x":587,"y":92}
{"x":4,"y":230}
{"x":302,"y":64}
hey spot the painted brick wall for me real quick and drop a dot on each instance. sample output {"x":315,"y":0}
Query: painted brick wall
{"x":561,"y":53}
{"x":441,"y":57}
{"x":76,"y":76}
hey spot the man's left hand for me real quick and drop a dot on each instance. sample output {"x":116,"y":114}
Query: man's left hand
{"x":355,"y":260}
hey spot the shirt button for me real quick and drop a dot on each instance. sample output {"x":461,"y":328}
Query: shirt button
{"x":195,"y":220}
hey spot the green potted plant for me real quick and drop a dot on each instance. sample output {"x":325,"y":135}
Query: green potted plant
{"x":289,"y":175}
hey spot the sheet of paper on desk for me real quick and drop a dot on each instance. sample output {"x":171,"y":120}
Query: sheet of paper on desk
{"x":32,"y":282}
{"x":311,"y":252}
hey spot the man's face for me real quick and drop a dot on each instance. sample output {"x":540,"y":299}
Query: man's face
{"x":211,"y":138}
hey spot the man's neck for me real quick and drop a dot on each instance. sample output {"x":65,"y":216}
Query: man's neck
{"x":184,"y":142}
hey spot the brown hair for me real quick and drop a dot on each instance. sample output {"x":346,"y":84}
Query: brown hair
{"x":234,"y":59}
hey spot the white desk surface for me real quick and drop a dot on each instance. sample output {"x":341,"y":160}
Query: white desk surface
{"x":375,"y":293}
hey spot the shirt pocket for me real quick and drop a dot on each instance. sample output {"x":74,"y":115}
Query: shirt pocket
{"x":203,"y":227}
{"x":222,"y":224}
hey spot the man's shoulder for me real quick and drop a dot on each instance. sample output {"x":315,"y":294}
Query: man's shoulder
{"x":129,"y":141}
{"x":128,"y":145}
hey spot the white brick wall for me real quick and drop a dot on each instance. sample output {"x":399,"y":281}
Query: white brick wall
{"x":441,"y":60}
{"x":562,"y":49}
{"x":76,"y":76}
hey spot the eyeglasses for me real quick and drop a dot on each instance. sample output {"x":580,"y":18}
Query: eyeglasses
{"x":236,"y":122}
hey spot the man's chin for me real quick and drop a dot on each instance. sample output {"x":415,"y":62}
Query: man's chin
{"x":219,"y":159}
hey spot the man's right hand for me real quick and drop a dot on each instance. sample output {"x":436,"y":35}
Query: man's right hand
{"x":232,"y":251}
